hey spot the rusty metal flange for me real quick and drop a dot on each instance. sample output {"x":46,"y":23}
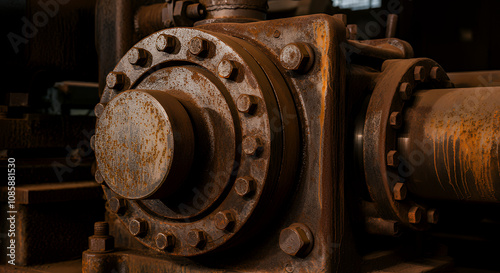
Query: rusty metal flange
{"x":236,"y":99}
{"x":398,"y":80}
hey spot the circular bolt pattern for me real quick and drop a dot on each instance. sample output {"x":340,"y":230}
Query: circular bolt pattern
{"x":414,"y":215}
{"x":393,"y":158}
{"x":246,"y":104}
{"x":138,"y":227}
{"x":165,"y":241}
{"x":196,"y":238}
{"x":419,"y":73}
{"x":117,"y":205}
{"x":165,"y":43}
{"x":98,"y":177}
{"x":400,"y":191}
{"x":115,"y":80}
{"x":405,"y":90}
{"x":252,"y":145}
{"x":198,"y":46}
{"x":227,"y":69}
{"x":138,"y":56}
{"x":224,"y":220}
{"x":396,"y":119}
{"x":433,"y":216}
{"x":244,"y":186}
{"x":296,"y":57}
{"x":295,"y":240}
{"x":99,"y":109}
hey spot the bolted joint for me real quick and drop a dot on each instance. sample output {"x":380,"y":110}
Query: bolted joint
{"x":117,"y":205}
{"x":195,"y":11}
{"x":420,"y":73}
{"x":396,"y":120}
{"x":197,"y":239}
{"x":296,"y":240}
{"x":98,"y":177}
{"x":247,"y":104}
{"x":400,"y":191}
{"x":198,"y":46}
{"x":252,"y":146}
{"x":166,"y":43}
{"x":297,"y":57}
{"x":101,"y":241}
{"x":138,"y":56}
{"x":115,"y":80}
{"x":99,"y":109}
{"x":165,"y":241}
{"x":405,"y":91}
{"x":433,"y":216}
{"x":244,"y":186}
{"x":227,"y":69}
{"x":224,"y":220}
{"x":138,"y":227}
{"x":415,"y":215}
{"x":393,"y":158}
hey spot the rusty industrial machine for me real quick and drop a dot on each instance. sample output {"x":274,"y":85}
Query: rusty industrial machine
{"x":225,"y":142}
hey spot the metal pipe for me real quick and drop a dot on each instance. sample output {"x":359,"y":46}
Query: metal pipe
{"x":450,"y":145}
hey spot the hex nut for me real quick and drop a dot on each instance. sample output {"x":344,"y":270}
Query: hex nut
{"x":419,"y":73}
{"x":247,"y":104}
{"x":166,"y":43}
{"x":414,"y":215}
{"x":244,"y":186}
{"x":396,"y":120}
{"x":99,"y":109}
{"x":138,"y":56}
{"x":165,"y":241}
{"x":115,"y":80}
{"x":252,"y":146}
{"x":297,"y":57}
{"x":98,"y":177}
{"x":399,"y":191}
{"x":436,"y":73}
{"x":198,"y":46}
{"x":117,"y":205}
{"x":227,"y":69}
{"x":101,"y":241}
{"x":138,"y":227}
{"x":432,"y":216}
{"x":405,"y":90}
{"x":296,"y":240}
{"x":224,"y":220}
{"x":393,"y":158}
{"x":196,"y":238}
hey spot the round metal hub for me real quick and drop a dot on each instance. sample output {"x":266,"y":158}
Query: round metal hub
{"x":189,"y":207}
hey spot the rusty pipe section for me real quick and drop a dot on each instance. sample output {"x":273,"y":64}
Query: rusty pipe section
{"x":450,"y":145}
{"x":235,"y":10}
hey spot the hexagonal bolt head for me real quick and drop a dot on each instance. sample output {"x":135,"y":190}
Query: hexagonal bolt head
{"x":98,"y":177}
{"x":252,"y":146}
{"x":436,"y":73}
{"x":405,"y":90}
{"x":247,"y":104}
{"x":420,"y":74}
{"x":400,"y":191}
{"x":198,"y":46}
{"x":196,"y":238}
{"x":433,"y":216}
{"x":115,"y":80}
{"x":138,"y":56}
{"x":393,"y":158}
{"x":101,"y":241}
{"x":99,"y":109}
{"x":227,"y":69}
{"x":296,"y":240}
{"x":117,"y":205}
{"x":244,"y":186}
{"x":297,"y":57}
{"x":165,"y":241}
{"x":138,"y":227}
{"x":396,"y":120}
{"x":166,"y":43}
{"x":415,"y":215}
{"x":224,"y":220}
